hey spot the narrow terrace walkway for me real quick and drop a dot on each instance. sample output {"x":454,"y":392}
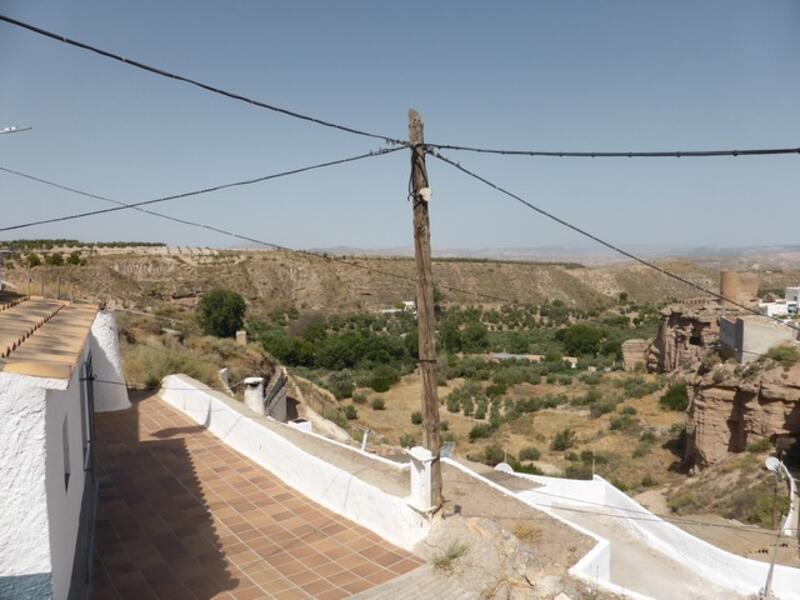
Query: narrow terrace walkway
{"x":182,"y":516}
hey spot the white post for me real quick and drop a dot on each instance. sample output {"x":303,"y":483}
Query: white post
{"x":254,"y":394}
{"x":364,"y":439}
{"x":422,"y":479}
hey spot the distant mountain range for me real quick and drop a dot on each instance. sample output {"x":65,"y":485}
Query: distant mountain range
{"x":784,"y":256}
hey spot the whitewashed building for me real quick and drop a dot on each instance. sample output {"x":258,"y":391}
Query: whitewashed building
{"x":52,"y":357}
{"x":779,"y":308}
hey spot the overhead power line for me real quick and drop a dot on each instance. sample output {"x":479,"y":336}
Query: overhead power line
{"x":134,"y":205}
{"x":138,"y":207}
{"x":210,"y":88}
{"x":603,"y":242}
{"x":605,"y":154}
{"x":353,"y":130}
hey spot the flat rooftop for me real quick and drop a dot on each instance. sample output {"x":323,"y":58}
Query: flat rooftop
{"x":41,"y":337}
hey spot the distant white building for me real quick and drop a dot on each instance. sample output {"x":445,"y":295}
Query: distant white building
{"x":792,"y":294}
{"x":51,"y":354}
{"x":408,"y":306}
{"x":779,"y":308}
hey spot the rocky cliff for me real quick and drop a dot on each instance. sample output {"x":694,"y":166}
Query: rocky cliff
{"x":686,"y":333}
{"x":730,"y":409}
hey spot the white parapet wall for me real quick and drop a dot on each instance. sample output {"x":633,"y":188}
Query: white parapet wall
{"x":723,"y":568}
{"x":385,"y":514}
{"x":107,"y":364}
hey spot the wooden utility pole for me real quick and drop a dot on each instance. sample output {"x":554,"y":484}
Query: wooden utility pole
{"x":420,"y":196}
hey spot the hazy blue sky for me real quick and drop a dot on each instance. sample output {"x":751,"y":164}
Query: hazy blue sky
{"x":548,"y":75}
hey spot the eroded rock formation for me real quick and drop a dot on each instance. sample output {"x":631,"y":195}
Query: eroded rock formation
{"x":727,"y":413}
{"x":685,"y":334}
{"x":634,"y":354}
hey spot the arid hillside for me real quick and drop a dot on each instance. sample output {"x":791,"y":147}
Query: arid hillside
{"x":169,"y":280}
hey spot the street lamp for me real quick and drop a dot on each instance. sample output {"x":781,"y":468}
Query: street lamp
{"x":781,"y":472}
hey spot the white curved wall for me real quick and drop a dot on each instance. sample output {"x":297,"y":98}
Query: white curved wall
{"x":728,"y":570}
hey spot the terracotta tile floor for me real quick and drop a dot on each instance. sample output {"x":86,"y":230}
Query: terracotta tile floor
{"x":183,"y":516}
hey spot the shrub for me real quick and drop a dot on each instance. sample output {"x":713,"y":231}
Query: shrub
{"x":529,"y":453}
{"x":675,"y":398}
{"x":482,"y":430}
{"x":74,"y":258}
{"x":598,"y":409}
{"x":628,"y":410}
{"x":578,"y":471}
{"x":493,"y":455}
{"x":453,"y":404}
{"x":443,"y":425}
{"x":786,"y":355}
{"x":33,"y":260}
{"x":408,"y":440}
{"x":147,"y":365}
{"x":641,"y":450}
{"x":359,"y":398}
{"x":335,"y":415}
{"x":625,"y":423}
{"x":761,"y":445}
{"x":350,"y":412}
{"x":453,"y":552}
{"x":56,"y":259}
{"x":620,"y":485}
{"x":563,"y":440}
{"x":647,"y":437}
{"x":341,"y":384}
{"x":378,"y":404}
{"x":469,"y":406}
{"x":382,"y":378}
{"x":416,"y":418}
{"x":496,"y":389}
{"x":480,"y":412}
{"x":589,"y":397}
{"x":648,"y":481}
{"x":637,"y":387}
{"x":221,"y":312}
{"x":527,"y":405}
{"x":592,"y":378}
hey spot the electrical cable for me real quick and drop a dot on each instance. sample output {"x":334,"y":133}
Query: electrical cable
{"x":605,"y":154}
{"x":216,"y":188}
{"x":601,"y":241}
{"x":215,"y":90}
{"x":137,"y":206}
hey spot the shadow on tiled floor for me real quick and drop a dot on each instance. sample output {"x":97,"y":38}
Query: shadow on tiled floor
{"x":181,"y":515}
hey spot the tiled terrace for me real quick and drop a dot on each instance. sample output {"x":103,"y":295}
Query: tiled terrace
{"x":183,"y":516}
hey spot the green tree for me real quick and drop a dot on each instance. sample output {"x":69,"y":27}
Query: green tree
{"x":221,"y":312}
{"x":56,"y":259}
{"x":581,"y":339}
{"x":450,"y":336}
{"x":475,"y":337}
